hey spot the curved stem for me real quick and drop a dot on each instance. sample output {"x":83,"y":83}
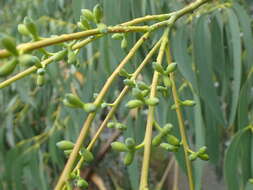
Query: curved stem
{"x":150,"y":119}
{"x":84,"y":131}
{"x":180,"y":122}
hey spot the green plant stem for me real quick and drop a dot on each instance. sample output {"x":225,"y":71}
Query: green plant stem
{"x":116,"y":103}
{"x":150,"y":119}
{"x":180,"y":122}
{"x":44,"y":63}
{"x":84,"y":131}
{"x":73,"y":36}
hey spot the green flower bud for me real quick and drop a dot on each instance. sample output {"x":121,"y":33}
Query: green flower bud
{"x":72,"y":175}
{"x":129,"y":157}
{"x":120,"y":126}
{"x":74,"y":100}
{"x":119,"y":146}
{"x":30,"y":60}
{"x":157,"y":67}
{"x":102,"y":28}
{"x":85,"y":22}
{"x":8,"y":67}
{"x":136,"y":92}
{"x":251,"y":180}
{"x":171,"y":68}
{"x":22,"y":29}
{"x":41,"y":71}
{"x":171,"y":139}
{"x":89,"y":107}
{"x":152,"y":101}
{"x":130,"y":143}
{"x":129,"y":82}
{"x":40,"y":81}
{"x":167,"y":128}
{"x":202,"y":150}
{"x":157,"y":139}
{"x":118,"y":36}
{"x":173,"y":107}
{"x":193,"y":156}
{"x":143,"y":86}
{"x":124,"y":43}
{"x":81,"y":183}
{"x":98,"y":13}
{"x":60,"y":55}
{"x":87,"y":155}
{"x":188,"y":103}
{"x":166,"y":81}
{"x":111,"y":124}
{"x":145,"y":92}
{"x":88,"y":14}
{"x":65,"y":145}
{"x":124,"y":73}
{"x":134,"y":104}
{"x":169,"y":147}
{"x":31,"y":27}
{"x":9,"y":44}
{"x":71,"y":57}
{"x":204,"y":157}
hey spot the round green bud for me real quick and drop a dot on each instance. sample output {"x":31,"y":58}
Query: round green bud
{"x":98,"y":13}
{"x":129,"y":157}
{"x":87,"y":155}
{"x":74,"y":100}
{"x":145,"y":92}
{"x":202,"y":150}
{"x":81,"y":183}
{"x":22,"y":29}
{"x":152,"y":101}
{"x":119,"y":146}
{"x":41,"y":71}
{"x":251,"y":180}
{"x":130,"y":143}
{"x":102,"y":28}
{"x":88,"y":14}
{"x":157,"y":139}
{"x":118,"y":36}
{"x":157,"y":67}
{"x":143,"y":86}
{"x":8,"y":67}
{"x":169,"y":147}
{"x":204,"y":157}
{"x":9,"y":44}
{"x":188,"y":103}
{"x":111,"y":124}
{"x":171,"y":68}
{"x":85,"y":23}
{"x":89,"y":107}
{"x":171,"y":139}
{"x":124,"y":73}
{"x":130,"y":83}
{"x":40,"y":81}
{"x":31,"y":27}
{"x":134,"y":104}
{"x":193,"y":156}
{"x":137,"y":93}
{"x":67,"y":152}
{"x":60,"y":55}
{"x":120,"y":126}
{"x":30,"y":60}
{"x":167,"y":128}
{"x":124,"y":43}
{"x":65,"y":145}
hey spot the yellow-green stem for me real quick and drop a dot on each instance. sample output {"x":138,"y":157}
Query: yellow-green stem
{"x":180,"y":123}
{"x":150,"y":119}
{"x":84,"y":131}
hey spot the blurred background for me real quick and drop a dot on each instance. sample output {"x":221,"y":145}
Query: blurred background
{"x":204,"y":44}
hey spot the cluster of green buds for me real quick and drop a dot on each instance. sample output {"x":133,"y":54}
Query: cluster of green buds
{"x":201,"y":153}
{"x":75,"y":180}
{"x":172,"y":142}
{"x":67,"y":147}
{"x":129,"y":148}
{"x":10,"y":45}
{"x":140,"y":98}
{"x":165,"y":72}
{"x":123,"y":38}
{"x":117,"y":125}
{"x":28,"y":28}
{"x":74,"y":101}
{"x":188,"y":103}
{"x":88,"y":17}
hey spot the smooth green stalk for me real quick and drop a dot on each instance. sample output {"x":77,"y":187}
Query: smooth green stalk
{"x":180,"y":122}
{"x":117,"y":102}
{"x":84,"y":131}
{"x":44,"y":63}
{"x":150,"y":119}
